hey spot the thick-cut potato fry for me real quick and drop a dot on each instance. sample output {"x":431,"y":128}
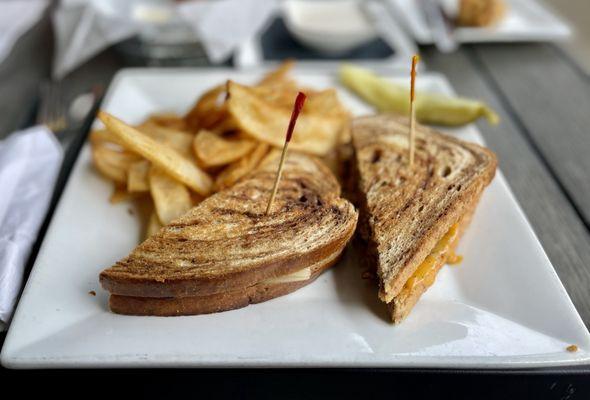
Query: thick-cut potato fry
{"x":168,"y":120}
{"x":153,"y":226}
{"x":431,"y":108}
{"x":168,"y":159}
{"x":113,"y":164}
{"x":213,"y":150}
{"x":138,"y":177}
{"x":314,"y":133}
{"x":233,"y":172}
{"x":171,"y":198}
{"x":180,"y":141}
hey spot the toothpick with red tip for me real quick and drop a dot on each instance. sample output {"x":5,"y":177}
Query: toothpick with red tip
{"x":296,"y":110}
{"x":415,"y":60}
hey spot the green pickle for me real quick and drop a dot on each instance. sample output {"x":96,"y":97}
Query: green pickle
{"x":431,"y":108}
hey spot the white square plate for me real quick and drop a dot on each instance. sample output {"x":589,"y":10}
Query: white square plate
{"x":525,"y":21}
{"x":503,"y":307}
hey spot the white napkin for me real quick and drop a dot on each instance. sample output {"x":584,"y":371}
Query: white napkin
{"x":83,"y":28}
{"x":30,"y":161}
{"x":224,"y":25}
{"x":16,"y":18}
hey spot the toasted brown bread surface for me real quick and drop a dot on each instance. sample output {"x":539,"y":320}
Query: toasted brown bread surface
{"x":402,"y":304}
{"x":227,"y":242}
{"x":480,"y":12}
{"x":406,"y":210}
{"x":213,"y":303}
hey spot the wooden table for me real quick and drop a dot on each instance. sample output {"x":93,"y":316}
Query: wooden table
{"x":543,"y":141}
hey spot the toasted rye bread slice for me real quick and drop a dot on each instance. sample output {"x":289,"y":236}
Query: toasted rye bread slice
{"x":402,"y":304}
{"x":405,"y":211}
{"x":227,"y":242}
{"x":212,"y":303}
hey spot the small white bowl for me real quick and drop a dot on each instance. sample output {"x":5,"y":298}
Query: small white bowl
{"x":329,"y":26}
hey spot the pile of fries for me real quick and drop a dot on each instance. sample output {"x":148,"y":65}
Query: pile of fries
{"x":178,"y":161}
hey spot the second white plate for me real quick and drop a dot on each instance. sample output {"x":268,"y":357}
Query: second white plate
{"x":525,"y":21}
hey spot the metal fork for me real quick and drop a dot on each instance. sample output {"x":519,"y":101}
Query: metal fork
{"x":52,"y":110}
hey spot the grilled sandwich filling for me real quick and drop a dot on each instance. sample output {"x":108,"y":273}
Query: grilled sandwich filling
{"x":425,"y":274}
{"x":297,"y":276}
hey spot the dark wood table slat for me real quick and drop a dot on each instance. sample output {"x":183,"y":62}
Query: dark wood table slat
{"x":558,"y":226}
{"x":552,"y":101}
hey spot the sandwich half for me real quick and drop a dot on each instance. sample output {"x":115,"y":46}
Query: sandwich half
{"x":226,"y":253}
{"x":411,"y":218}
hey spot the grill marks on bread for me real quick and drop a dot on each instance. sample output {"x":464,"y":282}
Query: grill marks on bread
{"x":229,"y":235}
{"x":407,"y":210}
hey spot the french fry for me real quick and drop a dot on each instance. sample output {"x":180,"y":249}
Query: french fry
{"x":171,"y":198}
{"x":138,"y":177}
{"x":166,"y":158}
{"x":113,"y":164}
{"x":316,"y":134}
{"x":233,"y":172}
{"x":213,"y":150}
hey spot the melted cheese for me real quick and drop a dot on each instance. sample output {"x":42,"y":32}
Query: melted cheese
{"x":426,"y":272}
{"x":301,"y":275}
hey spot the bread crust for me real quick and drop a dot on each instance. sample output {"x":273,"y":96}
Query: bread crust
{"x":406,"y":211}
{"x":401,"y":305}
{"x":190,"y":257}
{"x":231,"y":300}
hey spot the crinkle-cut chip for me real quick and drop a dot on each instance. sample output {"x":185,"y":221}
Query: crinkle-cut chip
{"x":314,"y":133}
{"x":171,"y":161}
{"x":213,"y":150}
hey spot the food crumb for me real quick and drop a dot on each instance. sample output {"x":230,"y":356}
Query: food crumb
{"x":92,"y":293}
{"x":130,"y":211}
{"x":572,"y":348}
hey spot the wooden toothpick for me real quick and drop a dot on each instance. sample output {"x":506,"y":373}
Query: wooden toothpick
{"x":296,"y":110}
{"x":415,"y":60}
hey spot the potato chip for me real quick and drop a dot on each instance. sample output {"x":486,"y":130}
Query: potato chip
{"x":208,"y":111}
{"x":120,"y":194}
{"x":233,"y":172}
{"x":103,"y":136}
{"x":314,"y":133}
{"x":168,"y":120}
{"x":180,"y":141}
{"x":153,"y":226}
{"x":278,"y":75}
{"x":138,"y":177}
{"x":168,"y":159}
{"x":113,"y":164}
{"x":213,"y":150}
{"x":171,"y":198}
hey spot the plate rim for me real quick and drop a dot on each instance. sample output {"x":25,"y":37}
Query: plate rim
{"x":419,"y":362}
